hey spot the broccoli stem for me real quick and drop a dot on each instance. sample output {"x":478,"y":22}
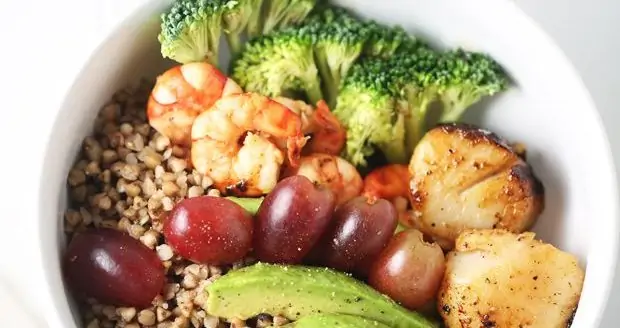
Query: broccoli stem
{"x":314,"y":93}
{"x":456,"y":101}
{"x":254,"y":26}
{"x":394,"y":153}
{"x":331,"y":92}
{"x":357,"y":147}
{"x":329,"y":87}
{"x":394,"y":150}
{"x":452,"y":114}
{"x":415,"y":130}
{"x":276,"y":11}
{"x":214,"y":60}
{"x":416,"y":125}
{"x":234,"y":42}
{"x":254,"y":30}
{"x":249,"y":204}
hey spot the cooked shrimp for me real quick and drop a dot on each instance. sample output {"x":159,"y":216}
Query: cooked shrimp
{"x":327,"y":134}
{"x":304,"y":110}
{"x":232,"y":143}
{"x":388,"y":182}
{"x":391,"y":182}
{"x":332,"y":172}
{"x":181,"y":94}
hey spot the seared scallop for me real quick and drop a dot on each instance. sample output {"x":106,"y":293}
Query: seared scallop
{"x":464,"y":177}
{"x":495,"y":278}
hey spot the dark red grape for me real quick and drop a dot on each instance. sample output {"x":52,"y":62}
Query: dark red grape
{"x":210,"y":230}
{"x":409,"y":270}
{"x":359,"y":230}
{"x":113,"y":268}
{"x":291,"y":220}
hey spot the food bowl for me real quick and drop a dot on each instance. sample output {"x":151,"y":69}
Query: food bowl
{"x":549,"y":110}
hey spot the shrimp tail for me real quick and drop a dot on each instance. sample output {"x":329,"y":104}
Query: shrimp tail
{"x":294,"y":147}
{"x":330,"y":136}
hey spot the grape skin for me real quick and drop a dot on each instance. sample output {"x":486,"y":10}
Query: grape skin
{"x":113,"y":268}
{"x":210,"y":230}
{"x":291,"y":220}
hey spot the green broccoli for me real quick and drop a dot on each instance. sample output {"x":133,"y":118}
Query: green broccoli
{"x":368,"y":107}
{"x":255,"y":21}
{"x":338,"y":40}
{"x":456,"y":78}
{"x":383,"y":102}
{"x":236,"y":18}
{"x":278,"y":14}
{"x":191,"y":31}
{"x":385,"y":41}
{"x":415,"y":78}
{"x":279,"y":64}
{"x":464,"y":78}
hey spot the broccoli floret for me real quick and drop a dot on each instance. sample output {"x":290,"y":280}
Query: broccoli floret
{"x":368,"y":106}
{"x":338,"y":40}
{"x":236,"y":18}
{"x":416,"y":81}
{"x":464,"y":78}
{"x":278,"y":14}
{"x":384,"y":102}
{"x":384,"y":41}
{"x":279,"y":64}
{"x":285,"y":62}
{"x":191,"y":30}
{"x":406,"y":80}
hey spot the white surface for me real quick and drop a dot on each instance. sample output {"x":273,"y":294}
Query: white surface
{"x":40,"y":67}
{"x":588,"y":32}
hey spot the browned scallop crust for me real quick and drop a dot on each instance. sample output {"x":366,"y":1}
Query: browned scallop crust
{"x":495,"y":278}
{"x":466,"y":177}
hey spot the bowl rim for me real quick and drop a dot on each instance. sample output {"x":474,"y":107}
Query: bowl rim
{"x":51,"y":307}
{"x":603,"y":252}
{"x":604,"y":262}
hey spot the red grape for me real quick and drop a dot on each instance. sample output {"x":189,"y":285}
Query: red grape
{"x":113,"y":268}
{"x":409,"y":270}
{"x":291,"y":219}
{"x":210,"y":230}
{"x":359,"y":230}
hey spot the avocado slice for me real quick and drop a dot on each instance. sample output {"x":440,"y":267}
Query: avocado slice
{"x":334,"y":320}
{"x":298,"y":291}
{"x":249,"y":204}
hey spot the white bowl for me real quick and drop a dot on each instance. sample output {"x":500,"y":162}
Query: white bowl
{"x":549,"y":110}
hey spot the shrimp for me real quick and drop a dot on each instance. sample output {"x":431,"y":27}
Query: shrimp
{"x":233,"y":143}
{"x":332,"y":172}
{"x":181,"y":94}
{"x":391,"y":182}
{"x":388,"y":182}
{"x":304,"y":110}
{"x":327,"y":134}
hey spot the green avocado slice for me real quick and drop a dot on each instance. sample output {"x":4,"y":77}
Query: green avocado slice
{"x":298,"y":291}
{"x":333,"y":321}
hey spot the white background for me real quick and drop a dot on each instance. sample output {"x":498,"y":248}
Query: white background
{"x":44,"y":43}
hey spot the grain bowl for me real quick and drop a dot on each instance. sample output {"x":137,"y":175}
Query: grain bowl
{"x":122,"y":158}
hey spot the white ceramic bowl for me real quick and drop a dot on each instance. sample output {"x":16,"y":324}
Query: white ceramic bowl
{"x":549,"y":110}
